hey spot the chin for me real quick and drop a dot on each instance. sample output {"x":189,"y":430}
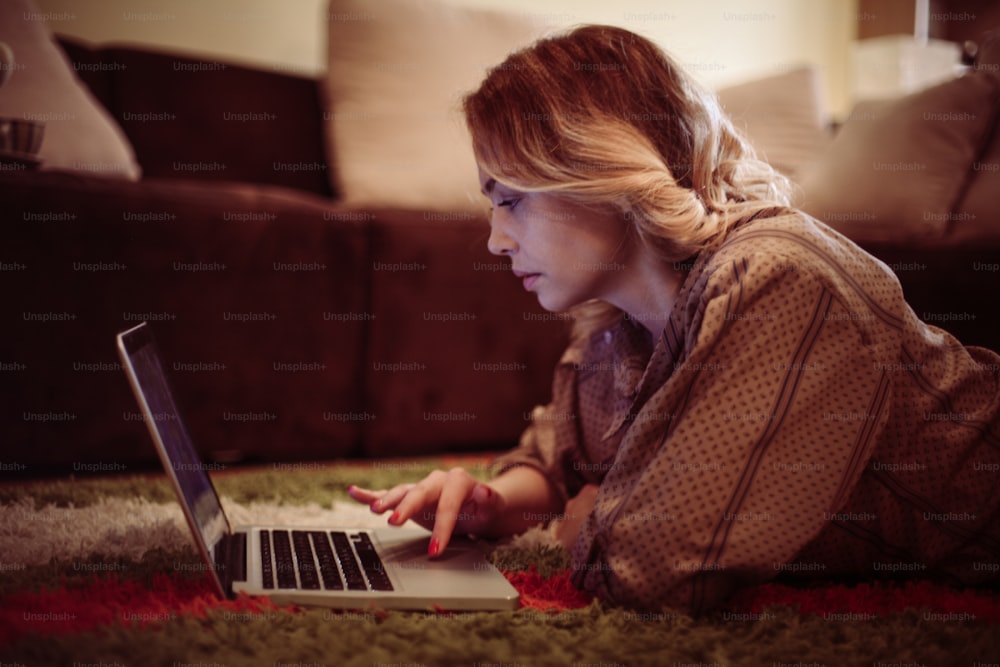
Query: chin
{"x":556,"y":304}
{"x":549,"y":305}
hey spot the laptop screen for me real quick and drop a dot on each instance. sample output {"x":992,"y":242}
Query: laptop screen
{"x":141,"y":358}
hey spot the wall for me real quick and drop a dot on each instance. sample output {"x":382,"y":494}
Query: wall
{"x":260,"y":32}
{"x":727,"y":41}
{"x":722,"y":41}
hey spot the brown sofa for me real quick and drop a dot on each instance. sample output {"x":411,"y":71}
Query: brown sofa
{"x":296,"y":326}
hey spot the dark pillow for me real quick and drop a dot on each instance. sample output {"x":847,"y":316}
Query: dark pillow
{"x":977,"y":215}
{"x":211,"y":120}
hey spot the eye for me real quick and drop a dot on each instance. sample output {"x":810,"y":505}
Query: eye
{"x":511,"y":203}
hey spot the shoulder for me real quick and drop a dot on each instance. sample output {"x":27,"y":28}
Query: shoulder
{"x":795,"y":247}
{"x":792,"y":263}
{"x":790,"y":236}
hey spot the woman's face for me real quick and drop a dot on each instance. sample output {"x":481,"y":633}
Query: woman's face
{"x":564,"y":252}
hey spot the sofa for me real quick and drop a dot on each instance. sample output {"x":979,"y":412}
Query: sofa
{"x":308,"y":313}
{"x":295,"y":326}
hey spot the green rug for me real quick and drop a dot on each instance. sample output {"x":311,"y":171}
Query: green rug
{"x":101,"y":570}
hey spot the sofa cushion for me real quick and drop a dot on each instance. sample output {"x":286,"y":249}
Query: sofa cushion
{"x":784,"y":117}
{"x":256,"y":293}
{"x":397,"y":72}
{"x":79,"y":134}
{"x":459,"y":353}
{"x":896,"y":169}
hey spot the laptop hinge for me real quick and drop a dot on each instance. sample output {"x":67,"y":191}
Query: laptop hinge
{"x":231,"y":559}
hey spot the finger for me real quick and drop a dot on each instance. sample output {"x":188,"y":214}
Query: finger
{"x":476,"y":511}
{"x":391,"y":498}
{"x":456,"y":491}
{"x":418,"y":504}
{"x":483,"y":497}
{"x":365,"y":496}
{"x":379,"y":500}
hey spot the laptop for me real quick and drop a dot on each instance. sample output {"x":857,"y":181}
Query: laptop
{"x":333,"y":566}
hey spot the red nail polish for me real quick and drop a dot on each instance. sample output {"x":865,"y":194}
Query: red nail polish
{"x":394,"y":518}
{"x":434,"y":548}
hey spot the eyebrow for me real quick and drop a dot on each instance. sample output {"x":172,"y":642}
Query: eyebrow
{"x":488,"y":186}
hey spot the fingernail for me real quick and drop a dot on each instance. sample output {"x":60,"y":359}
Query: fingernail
{"x":434,"y":548}
{"x":394,"y":519}
{"x":375,"y":506}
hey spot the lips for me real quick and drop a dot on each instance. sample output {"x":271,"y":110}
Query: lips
{"x":528,"y":279}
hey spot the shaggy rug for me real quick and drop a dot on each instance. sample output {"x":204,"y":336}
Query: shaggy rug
{"x":102,"y":570}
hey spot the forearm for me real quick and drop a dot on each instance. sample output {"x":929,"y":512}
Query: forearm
{"x":527,"y":499}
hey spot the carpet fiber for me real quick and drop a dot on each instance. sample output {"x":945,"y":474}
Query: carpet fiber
{"x":103,"y":570}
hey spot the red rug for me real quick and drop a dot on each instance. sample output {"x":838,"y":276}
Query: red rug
{"x":109,"y":600}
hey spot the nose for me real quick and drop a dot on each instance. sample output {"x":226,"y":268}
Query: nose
{"x":500,"y":242}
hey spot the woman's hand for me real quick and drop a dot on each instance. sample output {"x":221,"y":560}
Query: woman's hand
{"x":443,"y":502}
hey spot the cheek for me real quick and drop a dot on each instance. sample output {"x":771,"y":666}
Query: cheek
{"x":566,"y":239}
{"x":592,"y":235}
{"x":589,"y":253}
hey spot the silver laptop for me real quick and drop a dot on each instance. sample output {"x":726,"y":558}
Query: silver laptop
{"x":330,"y":567}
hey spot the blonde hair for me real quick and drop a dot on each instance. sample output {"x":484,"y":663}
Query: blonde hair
{"x":603,"y":117}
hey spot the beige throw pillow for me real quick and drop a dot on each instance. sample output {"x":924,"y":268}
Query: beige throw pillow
{"x":397,"y":72}
{"x":80,"y":135}
{"x":896,"y":169}
{"x":784,"y":116}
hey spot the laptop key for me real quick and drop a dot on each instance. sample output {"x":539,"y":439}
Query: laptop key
{"x":327,"y":561}
{"x":266,"y":571}
{"x":283,"y":563}
{"x":345,"y":554}
{"x":308,"y":576}
{"x":372,"y":564}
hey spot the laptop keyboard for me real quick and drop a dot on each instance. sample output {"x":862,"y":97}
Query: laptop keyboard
{"x":320,"y":560}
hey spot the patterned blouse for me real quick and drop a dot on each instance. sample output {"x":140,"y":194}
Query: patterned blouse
{"x":794,"y":417}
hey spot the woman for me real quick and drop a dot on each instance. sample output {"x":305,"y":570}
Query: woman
{"x":746,"y":392}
